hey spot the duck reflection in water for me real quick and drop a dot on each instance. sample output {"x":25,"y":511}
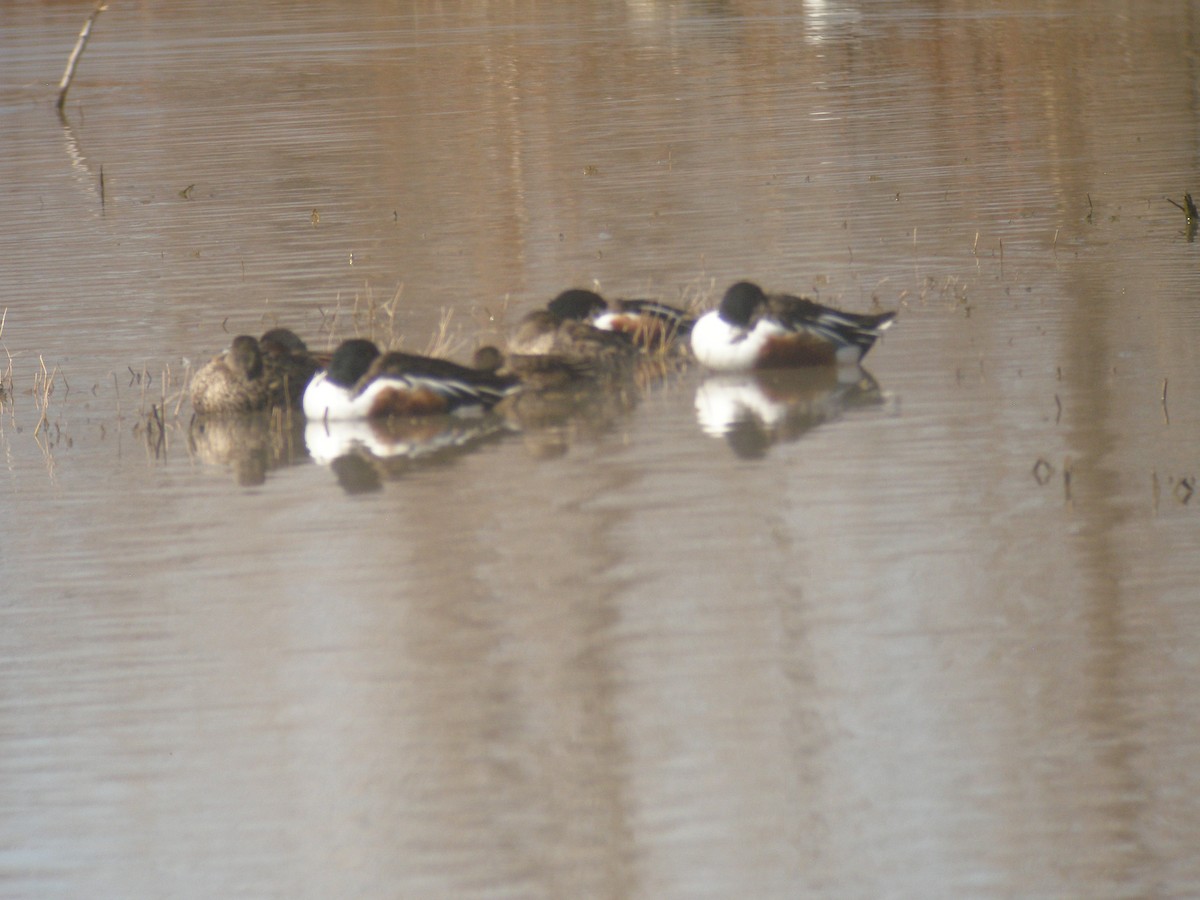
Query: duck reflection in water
{"x":754,"y":411}
{"x":252,"y":444}
{"x":562,"y":399}
{"x":364,"y":453}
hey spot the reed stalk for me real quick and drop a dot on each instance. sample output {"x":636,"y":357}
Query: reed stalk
{"x":73,"y":60}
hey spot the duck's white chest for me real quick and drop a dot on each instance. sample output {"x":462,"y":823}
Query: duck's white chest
{"x":725,"y":347}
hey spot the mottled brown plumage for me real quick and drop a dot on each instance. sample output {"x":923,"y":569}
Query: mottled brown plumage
{"x":252,"y":375}
{"x":542,"y":333}
{"x":287,"y":366}
{"x":232,"y":382}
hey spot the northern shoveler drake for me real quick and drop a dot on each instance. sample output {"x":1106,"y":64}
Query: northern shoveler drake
{"x":362,"y":383}
{"x":754,"y":330}
{"x":232,"y":382}
{"x":288,"y":366}
{"x":650,"y":324}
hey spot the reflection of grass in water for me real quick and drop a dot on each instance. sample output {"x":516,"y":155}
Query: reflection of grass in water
{"x":158,"y":409}
{"x":160,"y":418}
{"x":43,"y":388}
{"x":6,"y":379}
{"x":152,"y":409}
{"x":160,"y":401}
{"x":47,"y":434}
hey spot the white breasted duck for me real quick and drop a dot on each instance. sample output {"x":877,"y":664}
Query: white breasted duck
{"x":754,"y":330}
{"x":361,"y":383}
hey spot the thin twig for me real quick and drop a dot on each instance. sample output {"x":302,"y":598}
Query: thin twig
{"x":73,"y":59}
{"x":44,"y":384}
{"x":1188,"y":207}
{"x":1192,"y":215}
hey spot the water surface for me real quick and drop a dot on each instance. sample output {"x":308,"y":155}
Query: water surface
{"x":930,"y":636}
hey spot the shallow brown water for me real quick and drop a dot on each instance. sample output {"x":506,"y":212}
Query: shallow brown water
{"x":930,"y":637}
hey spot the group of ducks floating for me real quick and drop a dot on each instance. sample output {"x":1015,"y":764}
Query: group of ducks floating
{"x":577,"y":337}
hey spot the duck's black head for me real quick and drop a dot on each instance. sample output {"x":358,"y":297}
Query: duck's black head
{"x":740,"y":302}
{"x":281,"y":341}
{"x":351,"y":360}
{"x":488,"y":359}
{"x":577,"y":304}
{"x":245,"y":356}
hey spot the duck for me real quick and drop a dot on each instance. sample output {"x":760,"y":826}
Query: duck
{"x":648,"y":324}
{"x":362,"y":383}
{"x":753,"y":330}
{"x":536,"y":372}
{"x":562,"y":330}
{"x":233,"y":381}
{"x":288,"y":367}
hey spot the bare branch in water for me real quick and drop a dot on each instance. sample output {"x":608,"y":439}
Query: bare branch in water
{"x":1188,"y":207}
{"x":73,"y":59}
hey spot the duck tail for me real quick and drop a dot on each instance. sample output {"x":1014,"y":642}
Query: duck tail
{"x":861,"y":330}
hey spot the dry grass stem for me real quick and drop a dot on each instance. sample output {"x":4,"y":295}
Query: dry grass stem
{"x":43,"y":388}
{"x":701,"y":294}
{"x":445,"y":341}
{"x":187,"y":379}
{"x":369,"y":318}
{"x":73,"y":60}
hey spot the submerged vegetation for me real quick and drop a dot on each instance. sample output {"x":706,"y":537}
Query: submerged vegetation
{"x":1191,"y":215}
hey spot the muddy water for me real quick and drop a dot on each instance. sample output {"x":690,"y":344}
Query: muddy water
{"x":928,"y":633}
